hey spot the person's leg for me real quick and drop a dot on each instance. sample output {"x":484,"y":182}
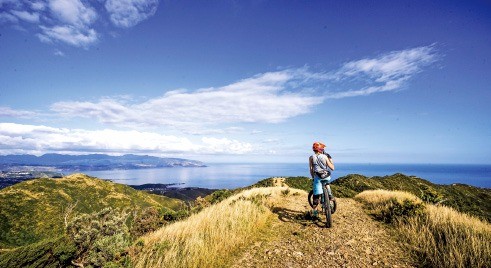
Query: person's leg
{"x":329,"y":190}
{"x":316,"y":200}
{"x":317,"y":189}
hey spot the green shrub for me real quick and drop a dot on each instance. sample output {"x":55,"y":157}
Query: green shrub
{"x":57,"y":252}
{"x":100,"y":237}
{"x":218,"y":196}
{"x":171,"y":216}
{"x":399,"y":211}
{"x":302,"y":183}
{"x":430,"y":195}
{"x":146,"y":221}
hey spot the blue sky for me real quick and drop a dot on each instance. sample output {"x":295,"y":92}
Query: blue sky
{"x":248,"y":81}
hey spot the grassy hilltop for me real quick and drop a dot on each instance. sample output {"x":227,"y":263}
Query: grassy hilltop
{"x":35,"y":210}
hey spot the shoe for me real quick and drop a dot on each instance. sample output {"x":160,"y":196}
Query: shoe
{"x":315,"y":213}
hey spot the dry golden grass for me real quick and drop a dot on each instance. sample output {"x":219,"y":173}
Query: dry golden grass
{"x":447,"y":238}
{"x":441,"y":236}
{"x":377,"y":197}
{"x":211,"y":237}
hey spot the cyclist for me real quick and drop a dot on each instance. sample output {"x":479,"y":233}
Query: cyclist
{"x":318,"y":162}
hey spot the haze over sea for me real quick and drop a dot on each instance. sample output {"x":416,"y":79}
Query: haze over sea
{"x":230,"y":176}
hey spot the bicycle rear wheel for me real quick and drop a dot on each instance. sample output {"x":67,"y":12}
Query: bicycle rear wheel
{"x":334,"y":205}
{"x":311,"y":198}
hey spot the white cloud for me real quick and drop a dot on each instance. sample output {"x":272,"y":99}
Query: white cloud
{"x":59,"y":53}
{"x":270,"y":97}
{"x":388,"y":86}
{"x":263,"y":98}
{"x":73,"y":22}
{"x":68,"y":34}
{"x":226,"y":146}
{"x":73,"y":12}
{"x":33,"y":138}
{"x":8,"y":18}
{"x":384,"y":73}
{"x":392,"y":65}
{"x":128,"y":13}
{"x":26,"y":16}
{"x":9,"y":112}
{"x":40,"y":5}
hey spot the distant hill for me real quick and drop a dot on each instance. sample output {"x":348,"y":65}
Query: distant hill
{"x":94,"y":161}
{"x":464,"y":198}
{"x":169,"y":190}
{"x":33,"y":210}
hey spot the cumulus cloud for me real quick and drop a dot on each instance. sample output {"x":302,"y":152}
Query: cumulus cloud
{"x":74,"y":22}
{"x":37,"y":138}
{"x":128,"y":13}
{"x":73,"y":12}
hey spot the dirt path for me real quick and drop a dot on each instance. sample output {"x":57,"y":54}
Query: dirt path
{"x":355,"y":240}
{"x":279,"y":182}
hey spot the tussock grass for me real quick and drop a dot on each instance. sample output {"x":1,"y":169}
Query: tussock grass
{"x":211,"y":237}
{"x":439,"y":236}
{"x":447,"y":238}
{"x":377,"y":198}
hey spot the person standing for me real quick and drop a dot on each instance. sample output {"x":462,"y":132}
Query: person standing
{"x":319,"y":162}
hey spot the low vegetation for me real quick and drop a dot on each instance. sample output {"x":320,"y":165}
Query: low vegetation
{"x":463,"y":198}
{"x":439,"y":236}
{"x":39,"y":209}
{"x":50,"y":253}
{"x":211,"y":237}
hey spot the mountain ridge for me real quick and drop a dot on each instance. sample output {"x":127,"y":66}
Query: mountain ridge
{"x":94,"y":161}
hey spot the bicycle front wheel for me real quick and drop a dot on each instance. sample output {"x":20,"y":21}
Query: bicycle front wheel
{"x":327,"y":209}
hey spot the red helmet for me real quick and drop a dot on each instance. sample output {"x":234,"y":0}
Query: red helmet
{"x":318,"y":147}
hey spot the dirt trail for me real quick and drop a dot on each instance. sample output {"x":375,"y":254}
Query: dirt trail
{"x":355,"y":240}
{"x":279,"y":182}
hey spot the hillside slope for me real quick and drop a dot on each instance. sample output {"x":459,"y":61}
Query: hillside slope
{"x":268,"y":227}
{"x":34,"y":210}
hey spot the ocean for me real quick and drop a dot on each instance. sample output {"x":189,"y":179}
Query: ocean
{"x":231,"y":176}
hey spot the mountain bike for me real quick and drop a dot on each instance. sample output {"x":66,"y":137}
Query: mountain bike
{"x":329,"y":205}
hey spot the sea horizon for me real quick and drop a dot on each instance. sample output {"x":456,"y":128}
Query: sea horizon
{"x":235,"y":175}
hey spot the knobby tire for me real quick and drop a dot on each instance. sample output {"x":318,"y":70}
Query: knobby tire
{"x":327,"y":208}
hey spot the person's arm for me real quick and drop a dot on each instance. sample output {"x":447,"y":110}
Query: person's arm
{"x":311,"y":167}
{"x":330,"y":163}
